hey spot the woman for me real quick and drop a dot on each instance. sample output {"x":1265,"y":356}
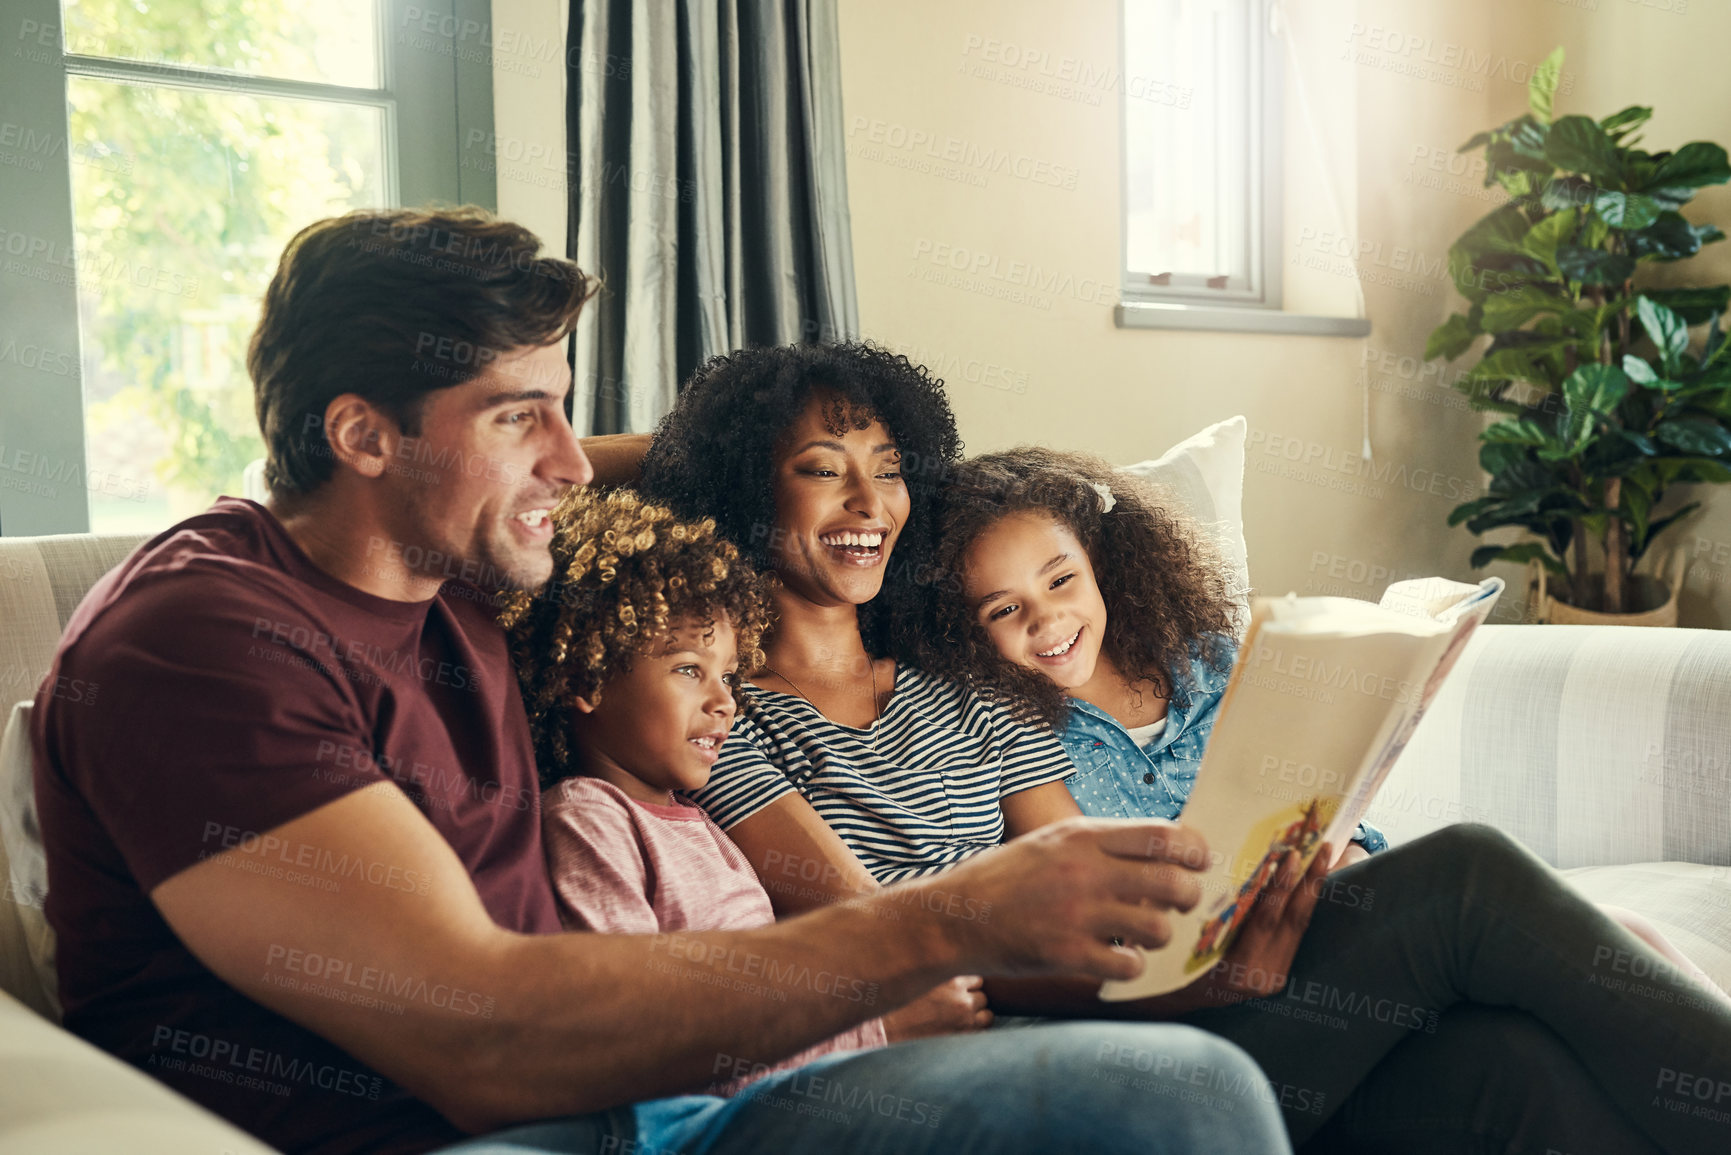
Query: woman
{"x":825,"y":464}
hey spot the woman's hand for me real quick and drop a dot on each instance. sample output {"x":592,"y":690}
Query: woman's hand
{"x":1260,"y":958}
{"x":948,"y":1008}
{"x":1353,"y":853}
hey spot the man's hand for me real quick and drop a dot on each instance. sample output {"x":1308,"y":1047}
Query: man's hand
{"x":1052,"y":901}
{"x":1260,"y":958}
{"x":948,"y":1008}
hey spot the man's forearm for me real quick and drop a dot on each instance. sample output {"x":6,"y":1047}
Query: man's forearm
{"x":584,"y":1022}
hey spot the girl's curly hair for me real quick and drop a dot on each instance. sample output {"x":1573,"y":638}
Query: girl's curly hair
{"x":1167,"y":596}
{"x":714,"y":454}
{"x":624,"y":572}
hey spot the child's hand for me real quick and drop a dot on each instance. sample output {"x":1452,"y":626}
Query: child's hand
{"x":1353,"y":853}
{"x":1261,"y":956}
{"x":948,"y":1008}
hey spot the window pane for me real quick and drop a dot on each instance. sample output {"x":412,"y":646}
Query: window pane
{"x":1187,"y":123}
{"x":330,"y":41}
{"x":174,"y":249}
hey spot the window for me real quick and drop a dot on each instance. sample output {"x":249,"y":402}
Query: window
{"x":1203,"y":168}
{"x":190,"y":140}
{"x":1198,"y":201}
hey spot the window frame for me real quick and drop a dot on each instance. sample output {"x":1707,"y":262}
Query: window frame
{"x":1260,"y":307}
{"x":438,"y":125}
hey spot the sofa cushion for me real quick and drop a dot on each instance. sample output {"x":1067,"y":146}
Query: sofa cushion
{"x":26,"y":939}
{"x":61,"y":1096}
{"x":1204,"y":475}
{"x":1690,"y":904}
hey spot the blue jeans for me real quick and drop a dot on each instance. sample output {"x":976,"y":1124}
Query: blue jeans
{"x":1148,"y":1088}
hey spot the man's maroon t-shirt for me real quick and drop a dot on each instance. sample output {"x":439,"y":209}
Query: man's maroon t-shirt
{"x":228,"y":686}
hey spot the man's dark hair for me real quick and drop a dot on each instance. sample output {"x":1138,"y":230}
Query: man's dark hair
{"x":714,"y":454}
{"x":393,"y":305}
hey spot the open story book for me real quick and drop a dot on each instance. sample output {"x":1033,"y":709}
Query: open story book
{"x":1324,"y":696}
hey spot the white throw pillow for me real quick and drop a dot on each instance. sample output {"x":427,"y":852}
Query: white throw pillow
{"x":1204,"y":475}
{"x":21,"y":837}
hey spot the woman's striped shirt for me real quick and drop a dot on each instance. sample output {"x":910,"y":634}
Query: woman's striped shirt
{"x":917,"y":791}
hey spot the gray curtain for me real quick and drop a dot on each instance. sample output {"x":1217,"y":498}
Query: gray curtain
{"x":708,"y":191}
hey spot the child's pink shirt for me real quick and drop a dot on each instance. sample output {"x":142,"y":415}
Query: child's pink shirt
{"x":620,"y":866}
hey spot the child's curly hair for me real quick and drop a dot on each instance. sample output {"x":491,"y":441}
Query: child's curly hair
{"x":624,"y":572}
{"x":1164,"y":585}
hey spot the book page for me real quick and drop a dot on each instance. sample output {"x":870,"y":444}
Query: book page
{"x":1322,"y":691}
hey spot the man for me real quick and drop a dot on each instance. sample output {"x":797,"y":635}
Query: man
{"x":294,"y":851}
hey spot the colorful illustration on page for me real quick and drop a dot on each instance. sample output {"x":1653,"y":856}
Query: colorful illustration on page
{"x":1297,"y":828}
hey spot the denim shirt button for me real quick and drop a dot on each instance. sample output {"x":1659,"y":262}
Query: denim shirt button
{"x":1148,"y":778}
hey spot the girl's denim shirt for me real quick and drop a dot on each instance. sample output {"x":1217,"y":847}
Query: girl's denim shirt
{"x":1115,"y":778}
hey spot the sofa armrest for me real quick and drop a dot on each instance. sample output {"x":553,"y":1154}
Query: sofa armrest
{"x":1593,"y":745}
{"x":60,"y":1094}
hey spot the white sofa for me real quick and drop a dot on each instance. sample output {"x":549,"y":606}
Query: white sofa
{"x":1605,"y":750}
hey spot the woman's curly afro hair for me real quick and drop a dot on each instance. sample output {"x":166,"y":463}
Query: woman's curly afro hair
{"x":624,"y":572}
{"x":1165,"y":588}
{"x":715,"y":454}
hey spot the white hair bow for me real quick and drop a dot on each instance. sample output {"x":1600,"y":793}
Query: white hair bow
{"x":1107,"y":501}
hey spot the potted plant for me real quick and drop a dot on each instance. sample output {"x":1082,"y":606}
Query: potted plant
{"x":1606,"y":403}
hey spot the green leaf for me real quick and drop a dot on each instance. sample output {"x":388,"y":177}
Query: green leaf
{"x":1450,"y":339}
{"x":1520,"y":554}
{"x":1521,"y":431}
{"x":1542,"y":239}
{"x":1696,"y":306}
{"x":1626,"y":210}
{"x":1700,"y":435}
{"x":1637,"y":503}
{"x":1638,"y":370}
{"x":1592,"y":266}
{"x":1669,"y":238}
{"x":1695,"y":165}
{"x":1516,"y":307}
{"x":1567,"y":192}
{"x":1591,"y":392}
{"x":1667,"y":331}
{"x":1626,"y":121}
{"x":1498,"y":457}
{"x":1542,"y":88}
{"x":1461,"y":513}
{"x":1576,"y":144}
{"x":1507,"y":365}
{"x":1500,"y":231}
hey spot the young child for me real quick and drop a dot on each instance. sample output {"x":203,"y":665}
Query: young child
{"x":1096,"y":611}
{"x":1091,"y":609}
{"x":628,"y":662}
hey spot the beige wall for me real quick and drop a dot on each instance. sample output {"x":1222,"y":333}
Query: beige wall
{"x":912,"y":66}
{"x":1063,"y":375}
{"x":529,"y":115}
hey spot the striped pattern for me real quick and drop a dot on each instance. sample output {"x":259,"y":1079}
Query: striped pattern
{"x":1593,"y":745}
{"x":918,"y":791}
